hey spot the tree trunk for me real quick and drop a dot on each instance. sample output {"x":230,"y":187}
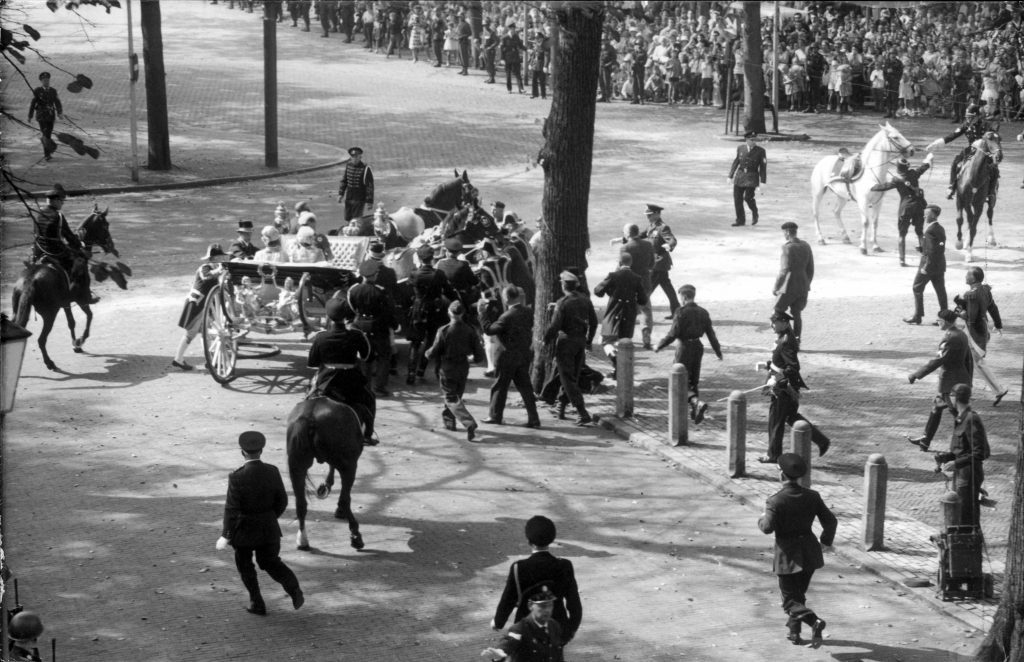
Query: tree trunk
{"x":156,"y":87}
{"x":1005,"y":639}
{"x":567,"y":160}
{"x":476,"y":18}
{"x":753,"y":68}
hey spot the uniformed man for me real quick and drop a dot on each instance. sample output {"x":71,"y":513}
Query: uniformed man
{"x":641,"y":250}
{"x":932,"y":268}
{"x":796,"y":272}
{"x":514,"y":330}
{"x":789,"y":514}
{"x":955,"y":366}
{"x":749,"y":168}
{"x":207,"y":276}
{"x":664,"y":243}
{"x":336,"y":354}
{"x":536,"y":638}
{"x":24,"y":630}
{"x":968,"y":450}
{"x":375,"y":316}
{"x":431,"y":292}
{"x":572,"y":329}
{"x":242,"y":247}
{"x":973,"y":128}
{"x":626,"y":295}
{"x":784,"y":384}
{"x":256,"y":498}
{"x":356,"y":186}
{"x":461,"y":276}
{"x":453,"y":343}
{"x":689,"y":324}
{"x":46,"y":108}
{"x":912,"y":202}
{"x":54,"y":240}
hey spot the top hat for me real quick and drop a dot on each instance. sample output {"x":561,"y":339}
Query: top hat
{"x":244,"y":226}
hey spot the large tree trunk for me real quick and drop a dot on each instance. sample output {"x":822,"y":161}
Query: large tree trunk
{"x":1005,"y":639}
{"x":753,"y":68}
{"x":566,"y":158}
{"x":156,"y":87}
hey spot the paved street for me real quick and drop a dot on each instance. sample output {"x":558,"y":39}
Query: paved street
{"x":116,"y":467}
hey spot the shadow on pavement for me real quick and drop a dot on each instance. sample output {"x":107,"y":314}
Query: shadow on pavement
{"x":888,"y":653}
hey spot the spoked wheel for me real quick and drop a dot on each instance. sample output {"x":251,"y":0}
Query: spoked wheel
{"x":220,"y":337}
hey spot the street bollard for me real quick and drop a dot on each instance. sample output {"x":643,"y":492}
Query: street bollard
{"x":624,"y":378}
{"x":678,"y":405}
{"x":876,"y":479}
{"x":950,"y":509}
{"x":801,"y":445}
{"x":736,"y":429}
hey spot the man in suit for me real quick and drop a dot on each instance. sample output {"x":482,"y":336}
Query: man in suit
{"x":243,"y":248}
{"x":541,"y":568}
{"x":511,"y":49}
{"x":256,"y":498}
{"x":749,"y":168}
{"x":664,"y":242}
{"x":795,"y":275}
{"x":689,"y":324}
{"x":968,"y":449}
{"x":932,"y":268}
{"x":955,"y":366}
{"x":625,"y":291}
{"x":975,"y":306}
{"x":641,"y":250}
{"x":514,"y":354}
{"x":789,"y":514}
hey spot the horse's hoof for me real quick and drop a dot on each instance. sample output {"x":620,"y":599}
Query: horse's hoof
{"x":77,"y":349}
{"x":323,"y":491}
{"x":878,"y":249}
{"x":357,"y":541}
{"x":959,"y":245}
{"x":53,"y":367}
{"x":303,"y":548}
{"x":863,"y":251}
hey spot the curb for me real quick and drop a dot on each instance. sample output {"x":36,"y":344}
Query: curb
{"x":726,"y":486}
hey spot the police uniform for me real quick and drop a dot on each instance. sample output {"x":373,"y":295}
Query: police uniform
{"x":968,"y":449}
{"x":375,"y":316}
{"x":528,"y":641}
{"x":430,"y":290}
{"x":53,"y":236}
{"x":46,"y":107}
{"x":514,"y":354}
{"x":572,"y":327}
{"x":459,"y":274}
{"x":749,"y":168}
{"x":336,"y":353}
{"x":689,"y":324}
{"x":955,"y":365}
{"x":356,"y":187}
{"x":664,"y":243}
{"x":912,"y":202}
{"x":973,"y":128}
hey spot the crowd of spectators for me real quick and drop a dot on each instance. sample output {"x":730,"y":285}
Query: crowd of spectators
{"x":925,"y":59}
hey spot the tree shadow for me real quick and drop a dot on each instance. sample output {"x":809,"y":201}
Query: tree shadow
{"x":882,"y":653}
{"x":122,"y":371}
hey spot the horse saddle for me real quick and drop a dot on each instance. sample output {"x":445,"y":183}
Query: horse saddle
{"x":847,"y":170}
{"x":54,"y":264}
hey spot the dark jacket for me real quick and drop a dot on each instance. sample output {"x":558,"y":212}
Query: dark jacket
{"x":785,"y":358}
{"x":953,"y":361}
{"x":453,"y":345}
{"x":256,"y":498}
{"x":911,"y":194}
{"x":978,"y":304}
{"x":789,"y":514}
{"x":574,"y":317}
{"x":796,"y":270}
{"x":51,"y":231}
{"x":625,"y":291}
{"x":558,"y":574}
{"x":750,"y":167}
{"x":642,"y":252}
{"x":968,"y":447}
{"x":933,"y":249}
{"x":690,"y":323}
{"x":514,"y":328}
{"x":512,"y":50}
{"x":45,"y":104}
{"x":375,"y":311}
{"x":242,"y":250}
{"x":528,"y":642}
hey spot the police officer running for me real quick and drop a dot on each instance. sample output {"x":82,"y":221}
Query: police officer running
{"x":688,"y":325}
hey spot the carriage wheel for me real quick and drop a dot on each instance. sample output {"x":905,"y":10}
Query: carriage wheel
{"x":220,"y":341}
{"x":311,"y":305}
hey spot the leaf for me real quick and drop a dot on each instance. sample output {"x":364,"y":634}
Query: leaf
{"x":73,"y":142}
{"x":6,"y":36}
{"x":92,"y":151}
{"x":51,"y":5}
{"x":99,"y":271}
{"x":119,"y":278}
{"x":125,"y":269}
{"x":31,"y":31}
{"x":74,"y":87}
{"x":17,"y":56}
{"x":84,"y":81}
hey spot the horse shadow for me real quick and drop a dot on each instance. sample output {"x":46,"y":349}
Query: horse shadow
{"x":874,"y":651}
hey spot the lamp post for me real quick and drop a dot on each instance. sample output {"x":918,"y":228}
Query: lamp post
{"x":13,"y":340}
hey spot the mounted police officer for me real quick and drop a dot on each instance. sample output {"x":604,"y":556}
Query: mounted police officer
{"x":356,"y":186}
{"x":974,"y":127}
{"x":56,"y":243}
{"x":912,"y":202}
{"x":430,"y":290}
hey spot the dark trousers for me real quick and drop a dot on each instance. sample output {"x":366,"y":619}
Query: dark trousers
{"x":959,"y":101}
{"x":967,"y":485}
{"x":938,"y":282}
{"x":354,"y":208}
{"x":795,"y":304}
{"x":438,"y":51}
{"x":741,"y":194}
{"x":914,"y":216}
{"x":453,"y":387}
{"x":464,"y":54}
{"x":489,"y":65}
{"x":661,"y":278}
{"x":892,"y":101}
{"x":46,"y":129}
{"x":514,"y":69}
{"x":813,"y":91}
{"x":368,"y":35}
{"x":269,"y":559}
{"x":691,"y":354}
{"x":569,"y":356}
{"x":512,"y":370}
{"x":785,"y":409}
{"x":637,"y":82}
{"x":794,"y":599}
{"x":606,"y":83}
{"x":540,"y":81}
{"x":941,"y":403}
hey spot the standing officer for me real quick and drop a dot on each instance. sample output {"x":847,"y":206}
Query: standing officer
{"x":974,"y":306}
{"x":242,"y":248}
{"x":912,"y":200}
{"x":664,"y":242}
{"x":541,"y":568}
{"x":453,"y":343}
{"x":789,"y":514}
{"x":53,"y":238}
{"x":375,"y":316}
{"x":514,"y":330}
{"x":430,"y":288}
{"x":749,"y":168}
{"x":968,"y":449}
{"x":688,"y":325}
{"x":793,"y":283}
{"x":955,"y":366}
{"x":572,"y":330}
{"x":784,"y":384}
{"x":511,"y":49}
{"x":46,"y":108}
{"x":356,"y":186}
{"x":892,"y":72}
{"x":641,"y":250}
{"x":256,"y":498}
{"x":626,"y":293}
{"x":932,"y":268}
{"x":490,"y":48}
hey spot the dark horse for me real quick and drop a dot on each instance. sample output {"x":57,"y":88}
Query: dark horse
{"x":46,"y":287}
{"x":977,"y":184}
{"x":443,"y":200}
{"x":324,"y":430}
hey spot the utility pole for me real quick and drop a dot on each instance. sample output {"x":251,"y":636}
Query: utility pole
{"x":269,"y":85}
{"x":133,"y":77}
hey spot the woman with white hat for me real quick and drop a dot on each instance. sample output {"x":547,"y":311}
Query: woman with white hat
{"x":304,"y":249}
{"x":271,"y":251}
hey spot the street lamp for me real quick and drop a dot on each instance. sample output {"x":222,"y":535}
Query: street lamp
{"x":13,"y":340}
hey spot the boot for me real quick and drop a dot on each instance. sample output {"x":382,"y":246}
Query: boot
{"x":582,"y":417}
{"x":902,"y":247}
{"x":560,"y":411}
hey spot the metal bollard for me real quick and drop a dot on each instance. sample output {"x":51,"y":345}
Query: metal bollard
{"x":678,"y":406}
{"x":736,"y":429}
{"x":950,"y":509}
{"x":801,"y":445}
{"x":876,"y":479}
{"x":624,"y":378}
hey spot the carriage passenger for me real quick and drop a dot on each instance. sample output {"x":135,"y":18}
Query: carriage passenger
{"x":191,"y":319}
{"x":242,"y":248}
{"x":336,"y":353}
{"x":304,"y":249}
{"x":271,"y":251}
{"x":308,"y":219}
{"x":288,"y":301}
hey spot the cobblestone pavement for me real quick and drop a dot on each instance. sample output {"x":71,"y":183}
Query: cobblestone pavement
{"x":142,"y":452}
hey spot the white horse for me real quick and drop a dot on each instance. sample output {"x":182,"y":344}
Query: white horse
{"x":883,"y":150}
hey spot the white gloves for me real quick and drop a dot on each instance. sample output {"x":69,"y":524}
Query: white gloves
{"x":929,"y":158}
{"x":938,"y":142}
{"x":222,"y":544}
